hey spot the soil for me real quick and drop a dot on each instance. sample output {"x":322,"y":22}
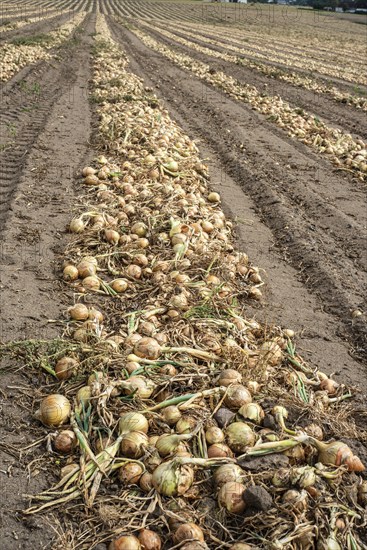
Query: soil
{"x":299,"y":219}
{"x":38,"y":27}
{"x":38,"y":176}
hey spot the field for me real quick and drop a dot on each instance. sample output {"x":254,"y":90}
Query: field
{"x":183,"y":192}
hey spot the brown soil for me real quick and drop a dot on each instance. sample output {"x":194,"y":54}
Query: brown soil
{"x":52,"y":146}
{"x":38,"y":27}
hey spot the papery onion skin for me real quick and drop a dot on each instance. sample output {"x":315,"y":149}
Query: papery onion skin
{"x":55,"y":410}
{"x":133,"y":444}
{"x":130,"y":473}
{"x":147,"y":348}
{"x":65,"y":368}
{"x":228,"y":472}
{"x":239,"y":436}
{"x":171,"y":481}
{"x":230,"y":497}
{"x":188,"y":531}
{"x":149,"y":540}
{"x":128,"y":542}
{"x":65,"y":442}
{"x":237,"y":396}
{"x":133,"y":422}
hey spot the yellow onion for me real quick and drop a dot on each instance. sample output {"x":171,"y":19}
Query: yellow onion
{"x":149,"y":540}
{"x":69,"y":469}
{"x":84,"y":395}
{"x":315,"y":431}
{"x":145,"y":482}
{"x":171,"y":479}
{"x":133,"y":422}
{"x":272,"y":353}
{"x":131,"y":366}
{"x":188,"y":531}
{"x":167,"y":444}
{"x":153,"y":460}
{"x":329,"y":385}
{"x":337,"y":453}
{"x":296,"y":500}
{"x":133,"y":444}
{"x":112,"y":236}
{"x":96,"y":315}
{"x":281,"y":477}
{"x":70,"y":273}
{"x":303,"y":476}
{"x":167,"y":370}
{"x":214,"y":197}
{"x":186,"y":424}
{"x":140,"y":229}
{"x":171,"y":415}
{"x":241,"y":546}
{"x":219,"y":450}
{"x":54,"y":410}
{"x":76,"y":225}
{"x":147,"y":348}
{"x":65,"y":442}
{"x":130,"y":473}
{"x":79,"y":312}
{"x":362,"y":493}
{"x":228,"y":472}
{"x":239,"y":436}
{"x":253,"y":412}
{"x":65,"y":368}
{"x":92,"y":283}
{"x":139,"y":386}
{"x":128,"y":542}
{"x":86,"y":268}
{"x":214,"y":435}
{"x":134,"y":271}
{"x":237,"y":396}
{"x":119,"y":285}
{"x":91,"y":179}
{"x":230,"y":497}
{"x":228,"y":377}
{"x":88,"y":171}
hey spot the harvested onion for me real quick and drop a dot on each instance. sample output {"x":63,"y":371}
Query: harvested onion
{"x":54,"y":410}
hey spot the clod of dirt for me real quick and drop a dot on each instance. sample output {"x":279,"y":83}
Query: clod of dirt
{"x":258,"y":498}
{"x":223,"y":416}
{"x":260,"y":463}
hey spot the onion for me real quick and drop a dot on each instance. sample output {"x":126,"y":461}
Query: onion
{"x":186,"y":424}
{"x":70,"y":273}
{"x":88,"y":171}
{"x":79,"y":312}
{"x":54,"y":410}
{"x":230,"y":497}
{"x":362,"y":493}
{"x":337,"y":453}
{"x":139,"y":386}
{"x":228,"y":377}
{"x":133,"y":422}
{"x":167,"y":444}
{"x":228,"y":472}
{"x":65,"y":442}
{"x":84,"y":395}
{"x":133,"y":444}
{"x":119,"y":285}
{"x":214,"y":435}
{"x":68,"y":469}
{"x":130,"y":473}
{"x":92,"y":283}
{"x":329,"y":385}
{"x":145,"y":482}
{"x":149,"y":540}
{"x":76,"y":225}
{"x":167,"y":370}
{"x":128,"y":542}
{"x":133,"y":271}
{"x":241,"y":546}
{"x":147,"y":348}
{"x":237,"y":396}
{"x":315,"y":431}
{"x":96,"y":315}
{"x":91,"y":179}
{"x":132,"y":366}
{"x":253,"y":412}
{"x":239,"y":436}
{"x":112,"y":236}
{"x":272,"y":352}
{"x":171,"y":479}
{"x":65,"y":368}
{"x":219,"y":450}
{"x":171,"y":415}
{"x":139,"y":229}
{"x":86,"y":268}
{"x":188,"y":531}
{"x":214,"y":197}
{"x":297,"y":500}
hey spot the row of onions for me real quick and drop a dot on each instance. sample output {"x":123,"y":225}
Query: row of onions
{"x":329,"y":63}
{"x":294,"y":78}
{"x":196,"y":426}
{"x":12,"y":25}
{"x":339,"y":147}
{"x":14,"y":57}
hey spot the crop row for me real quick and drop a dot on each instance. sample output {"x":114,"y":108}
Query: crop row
{"x":17,"y":55}
{"x":341,"y":148}
{"x":293,"y":78}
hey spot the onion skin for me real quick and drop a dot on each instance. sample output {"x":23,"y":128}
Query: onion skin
{"x":128,"y":542}
{"x":187,"y":532}
{"x":147,"y":348}
{"x":65,"y":368}
{"x":237,"y":396}
{"x":65,"y":442}
{"x":149,"y":540}
{"x":239,"y":436}
{"x":337,"y":453}
{"x":171,"y":481}
{"x":133,"y":422}
{"x":55,"y":410}
{"x":133,"y":444}
{"x":130,"y":473}
{"x":230,"y":497}
{"x":228,"y":472}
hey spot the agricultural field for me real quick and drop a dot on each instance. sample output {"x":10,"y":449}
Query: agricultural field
{"x":183,"y":276}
